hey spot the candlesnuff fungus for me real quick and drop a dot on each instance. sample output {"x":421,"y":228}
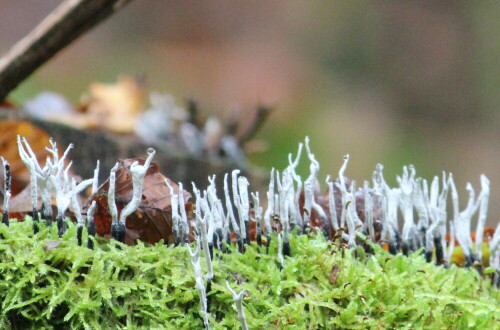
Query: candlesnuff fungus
{"x":258,"y":217}
{"x":310,"y":200}
{"x":176,"y":219}
{"x":202,"y":222}
{"x":331,"y":205}
{"x":280,"y":249}
{"x":436,"y":202}
{"x":230,"y":214}
{"x":406,"y":193}
{"x":29,"y":159}
{"x":117,"y":231}
{"x":91,"y":224}
{"x":495,"y":255}
{"x":339,"y":208}
{"x":218,"y":227}
{"x":77,"y":211}
{"x":95,"y":182}
{"x":483,"y":209}
{"x":349,"y":215}
{"x":238,"y":301}
{"x":53,"y":176}
{"x":7,"y":191}
{"x":296,"y":217}
{"x":348,"y":219}
{"x":198,"y":276}
{"x":240,"y":200}
{"x":138,"y":172}
{"x":184,"y":224}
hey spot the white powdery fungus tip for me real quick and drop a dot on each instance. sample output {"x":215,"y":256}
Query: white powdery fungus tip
{"x":198,"y":276}
{"x":462,"y":220}
{"x":203,"y":223}
{"x":75,"y":205}
{"x":174,"y":202}
{"x":244,"y":204}
{"x":184,"y":224}
{"x":113,"y":211}
{"x":229,"y":206}
{"x":138,"y":172}
{"x":95,"y":180}
{"x":406,"y":191}
{"x":91,"y":212}
{"x":368,"y":210}
{"x":238,"y":301}
{"x":270,"y":204}
{"x":29,"y":159}
{"x":238,"y":202}
{"x":331,"y":204}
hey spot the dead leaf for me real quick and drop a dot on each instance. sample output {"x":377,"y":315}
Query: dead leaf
{"x":152,"y":221}
{"x":332,"y":278}
{"x":38,"y":140}
{"x":117,"y":106}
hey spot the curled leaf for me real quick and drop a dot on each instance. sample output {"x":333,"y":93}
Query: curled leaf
{"x":152,"y":221}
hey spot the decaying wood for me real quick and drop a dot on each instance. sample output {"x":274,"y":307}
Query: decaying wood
{"x":109,"y":148}
{"x":66,"y":23}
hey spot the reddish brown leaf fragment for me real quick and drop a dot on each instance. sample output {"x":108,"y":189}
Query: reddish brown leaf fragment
{"x":152,"y":221}
{"x":332,"y":278}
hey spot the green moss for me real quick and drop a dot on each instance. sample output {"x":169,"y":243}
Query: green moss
{"x":153,"y":286}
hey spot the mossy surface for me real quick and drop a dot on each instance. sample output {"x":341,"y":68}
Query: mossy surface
{"x":319,"y":286}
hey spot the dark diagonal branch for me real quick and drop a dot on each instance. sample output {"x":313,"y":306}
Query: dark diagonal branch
{"x":261,"y":116}
{"x":67,"y":22}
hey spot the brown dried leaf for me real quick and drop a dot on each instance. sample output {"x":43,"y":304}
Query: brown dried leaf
{"x":117,"y":106}
{"x":152,"y":221}
{"x":332,"y":278}
{"x":38,"y":140}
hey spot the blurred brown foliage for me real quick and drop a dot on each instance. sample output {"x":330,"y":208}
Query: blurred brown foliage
{"x":395,"y":82}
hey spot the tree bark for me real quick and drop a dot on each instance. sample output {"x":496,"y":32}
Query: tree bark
{"x":66,"y":23}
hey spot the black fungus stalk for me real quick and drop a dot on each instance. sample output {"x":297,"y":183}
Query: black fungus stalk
{"x":46,"y":213}
{"x":326,"y":229}
{"x":247,"y":230}
{"x":217,"y":242}
{"x":79,"y":232}
{"x":258,"y":234}
{"x":241,"y":244}
{"x":470,"y":259}
{"x":91,"y":231}
{"x":177,"y":239}
{"x":423,"y":232}
{"x":268,"y":243}
{"x":393,"y":248}
{"x":7,"y":191}
{"x":118,"y":231}
{"x":428,"y":256}
{"x":405,"y":248}
{"x":5,"y":217}
{"x":439,"y":250}
{"x":35,"y":220}
{"x":209,"y":298}
{"x":211,"y":250}
{"x":394,"y":244}
{"x":61,"y":226}
{"x":287,"y":251}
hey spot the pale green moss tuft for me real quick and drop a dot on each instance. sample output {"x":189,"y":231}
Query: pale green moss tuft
{"x":146,"y":286}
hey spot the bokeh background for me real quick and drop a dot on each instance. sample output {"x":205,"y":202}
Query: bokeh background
{"x":392,"y":82}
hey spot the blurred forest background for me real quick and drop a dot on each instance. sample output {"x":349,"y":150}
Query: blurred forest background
{"x":392,"y":82}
